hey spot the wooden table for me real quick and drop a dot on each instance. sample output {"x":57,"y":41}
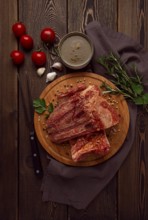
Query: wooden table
{"x":126,"y":196}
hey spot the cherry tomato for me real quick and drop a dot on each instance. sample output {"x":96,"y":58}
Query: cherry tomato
{"x":48,"y":35}
{"x":26,"y":41}
{"x":17,"y":57}
{"x":38,"y":58}
{"x":18,"y":29}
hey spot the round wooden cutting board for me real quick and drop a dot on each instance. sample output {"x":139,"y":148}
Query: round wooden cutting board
{"x":116,"y":135}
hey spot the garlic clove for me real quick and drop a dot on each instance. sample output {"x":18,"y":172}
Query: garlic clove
{"x":50,"y":76}
{"x":57,"y":66}
{"x":40,"y":71}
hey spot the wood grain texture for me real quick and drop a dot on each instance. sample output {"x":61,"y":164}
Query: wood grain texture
{"x":79,"y":15}
{"x":142,"y":162}
{"x":135,"y":186}
{"x":8,"y":114}
{"x":145,"y":15}
{"x":132,"y":19}
{"x":128,"y":18}
{"x":36,"y":15}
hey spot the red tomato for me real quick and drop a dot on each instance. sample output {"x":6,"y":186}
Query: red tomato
{"x":18,"y":29}
{"x":48,"y":35}
{"x":26,"y":41}
{"x":17,"y":57}
{"x":38,"y":58}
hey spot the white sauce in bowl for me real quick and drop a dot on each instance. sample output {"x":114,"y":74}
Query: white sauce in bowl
{"x":76,"y":50}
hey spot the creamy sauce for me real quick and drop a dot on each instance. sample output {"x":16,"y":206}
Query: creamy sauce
{"x":76,"y":50}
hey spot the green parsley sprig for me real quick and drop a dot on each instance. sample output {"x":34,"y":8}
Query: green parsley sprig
{"x":40,"y":106}
{"x":130,"y":86}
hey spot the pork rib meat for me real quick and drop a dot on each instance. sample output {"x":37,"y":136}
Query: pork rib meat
{"x":95,"y":143}
{"x":84,"y":112}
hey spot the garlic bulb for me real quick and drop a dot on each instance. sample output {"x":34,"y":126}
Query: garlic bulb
{"x":50,"y":76}
{"x":57,"y":66}
{"x":40,"y":71}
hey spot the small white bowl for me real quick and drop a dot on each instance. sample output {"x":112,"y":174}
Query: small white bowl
{"x":76,"y":50}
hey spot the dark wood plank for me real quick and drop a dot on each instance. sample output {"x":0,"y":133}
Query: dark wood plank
{"x":104,"y":205}
{"x":127,"y":18}
{"x":132,"y":191}
{"x":8,"y":114}
{"x":88,"y":10}
{"x":37,"y":15}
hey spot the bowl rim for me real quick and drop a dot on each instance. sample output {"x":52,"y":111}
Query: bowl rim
{"x":76,"y":33}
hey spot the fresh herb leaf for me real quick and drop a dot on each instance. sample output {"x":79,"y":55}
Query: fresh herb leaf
{"x":137,"y":88}
{"x":50,"y":107}
{"x":40,"y":110}
{"x":129,"y":86}
{"x":40,"y":106}
{"x":109,"y":89}
{"x":145,"y":99}
{"x":142,"y":100}
{"x":39,"y":102}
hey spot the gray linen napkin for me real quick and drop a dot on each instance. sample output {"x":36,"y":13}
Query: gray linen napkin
{"x":78,"y":186}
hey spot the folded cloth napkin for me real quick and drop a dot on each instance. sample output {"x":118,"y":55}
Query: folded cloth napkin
{"x":78,"y":186}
